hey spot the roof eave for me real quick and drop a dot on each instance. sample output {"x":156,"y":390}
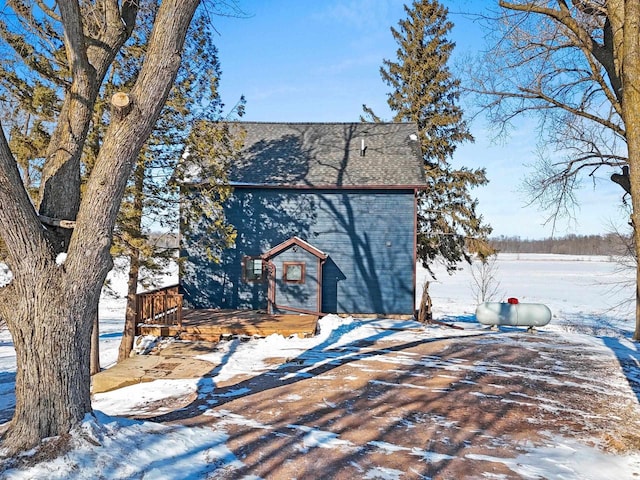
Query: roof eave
{"x":333,"y":187}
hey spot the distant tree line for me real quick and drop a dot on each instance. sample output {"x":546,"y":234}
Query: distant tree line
{"x":608,"y":244}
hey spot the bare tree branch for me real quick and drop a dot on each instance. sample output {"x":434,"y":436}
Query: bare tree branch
{"x":19,"y":226}
{"x":74,"y":38}
{"x":127,"y":134}
{"x":90,"y":51}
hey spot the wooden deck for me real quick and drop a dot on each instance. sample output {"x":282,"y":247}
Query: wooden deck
{"x":212,"y":325}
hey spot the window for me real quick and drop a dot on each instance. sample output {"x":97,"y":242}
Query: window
{"x":293,"y":272}
{"x":252,"y":269}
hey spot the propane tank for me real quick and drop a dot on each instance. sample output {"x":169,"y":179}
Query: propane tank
{"x":513,"y":313}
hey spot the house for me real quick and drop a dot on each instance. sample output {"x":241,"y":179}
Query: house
{"x":325,"y":215}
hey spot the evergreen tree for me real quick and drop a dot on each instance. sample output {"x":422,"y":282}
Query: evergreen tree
{"x":151,"y":198}
{"x":425,"y":92}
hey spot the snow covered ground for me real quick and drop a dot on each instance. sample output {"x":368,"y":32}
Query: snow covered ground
{"x":586,"y":295}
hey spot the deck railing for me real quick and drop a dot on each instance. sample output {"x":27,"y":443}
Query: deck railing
{"x":162,"y":306}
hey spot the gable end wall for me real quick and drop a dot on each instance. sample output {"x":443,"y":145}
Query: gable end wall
{"x":368,"y":236}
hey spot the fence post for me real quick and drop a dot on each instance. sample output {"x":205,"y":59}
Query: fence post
{"x":164,"y":306}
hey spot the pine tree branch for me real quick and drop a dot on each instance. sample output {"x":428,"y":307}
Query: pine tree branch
{"x":33,"y":59}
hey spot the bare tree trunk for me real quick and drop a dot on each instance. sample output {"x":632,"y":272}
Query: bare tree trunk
{"x":425,"y":314}
{"x":52,"y":379}
{"x":129,"y":332}
{"x":50,"y":308}
{"x":89,"y":60}
{"x":631,"y":111}
{"x":95,"y":345}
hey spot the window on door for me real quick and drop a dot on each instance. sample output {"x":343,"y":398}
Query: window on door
{"x":293,"y":272}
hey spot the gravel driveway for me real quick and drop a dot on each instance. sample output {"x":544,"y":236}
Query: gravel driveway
{"x":463,"y":407}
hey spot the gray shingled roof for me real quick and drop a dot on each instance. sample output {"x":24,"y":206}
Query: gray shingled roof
{"x":329,"y":155}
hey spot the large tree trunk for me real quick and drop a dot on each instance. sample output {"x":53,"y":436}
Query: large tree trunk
{"x":52,"y":382}
{"x":50,"y":308}
{"x":631,"y":112}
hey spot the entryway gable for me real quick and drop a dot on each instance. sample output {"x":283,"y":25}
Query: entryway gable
{"x":291,"y":242}
{"x":295,"y":277}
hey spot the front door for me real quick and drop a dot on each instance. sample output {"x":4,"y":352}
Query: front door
{"x":295,"y":272}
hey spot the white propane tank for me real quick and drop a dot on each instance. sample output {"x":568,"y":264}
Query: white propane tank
{"x":513,"y":314}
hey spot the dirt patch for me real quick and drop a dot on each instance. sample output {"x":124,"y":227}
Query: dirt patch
{"x":48,"y":450}
{"x":443,"y":409}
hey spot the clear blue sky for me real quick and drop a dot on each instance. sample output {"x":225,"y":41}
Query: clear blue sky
{"x":319,"y":61}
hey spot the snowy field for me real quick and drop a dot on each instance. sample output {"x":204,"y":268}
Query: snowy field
{"x":590,"y":305}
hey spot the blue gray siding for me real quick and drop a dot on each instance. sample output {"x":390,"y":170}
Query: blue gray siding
{"x":367,"y":234}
